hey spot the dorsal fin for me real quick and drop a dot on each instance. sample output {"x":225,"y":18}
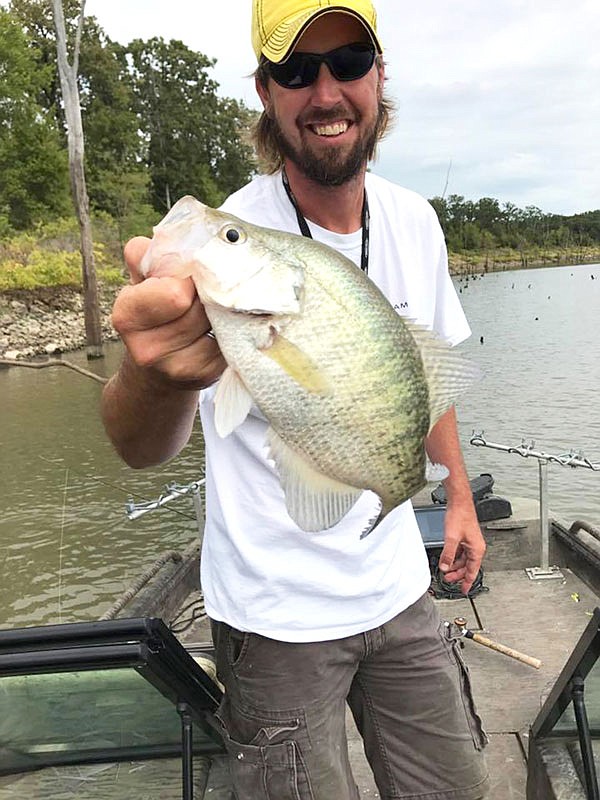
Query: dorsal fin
{"x":447,"y":372}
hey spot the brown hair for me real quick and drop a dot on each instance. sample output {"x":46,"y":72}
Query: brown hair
{"x":263,"y":133}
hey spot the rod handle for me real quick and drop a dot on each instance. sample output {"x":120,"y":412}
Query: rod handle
{"x":502,"y":648}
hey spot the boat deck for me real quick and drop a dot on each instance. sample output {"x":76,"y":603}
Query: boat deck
{"x":543,"y":619}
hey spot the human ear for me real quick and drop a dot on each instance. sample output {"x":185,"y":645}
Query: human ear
{"x":263,"y":93}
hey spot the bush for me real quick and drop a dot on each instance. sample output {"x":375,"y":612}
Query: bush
{"x":50,"y":257}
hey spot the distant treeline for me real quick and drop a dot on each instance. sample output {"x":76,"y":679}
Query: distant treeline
{"x":486,"y":224}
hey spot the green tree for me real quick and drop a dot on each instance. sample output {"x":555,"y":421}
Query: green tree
{"x":113,"y":146}
{"x":441,"y":209}
{"x":118,"y":180}
{"x":33,"y":164}
{"x":584,"y":227}
{"x":235,"y":164}
{"x":154,"y":126}
{"x":192,"y":137}
{"x":35,"y":17}
{"x":488,"y":214}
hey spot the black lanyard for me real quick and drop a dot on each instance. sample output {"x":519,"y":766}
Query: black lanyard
{"x":305,"y":231}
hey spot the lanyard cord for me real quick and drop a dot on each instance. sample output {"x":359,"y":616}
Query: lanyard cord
{"x":305,"y":231}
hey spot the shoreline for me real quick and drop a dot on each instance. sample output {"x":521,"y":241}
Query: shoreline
{"x":49,"y":320}
{"x":462,"y":264}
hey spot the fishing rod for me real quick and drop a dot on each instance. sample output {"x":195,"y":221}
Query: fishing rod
{"x":461,"y":626}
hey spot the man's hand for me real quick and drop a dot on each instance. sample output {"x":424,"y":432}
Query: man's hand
{"x":163,"y":326}
{"x":150,"y":403}
{"x":464,"y":545}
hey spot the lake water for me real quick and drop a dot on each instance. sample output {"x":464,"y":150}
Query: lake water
{"x":67,"y":548}
{"x":540,"y":359}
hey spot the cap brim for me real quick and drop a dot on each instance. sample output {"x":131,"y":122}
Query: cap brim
{"x":285,"y":36}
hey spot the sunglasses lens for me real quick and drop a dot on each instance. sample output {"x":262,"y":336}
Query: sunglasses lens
{"x":347,"y":63}
{"x":301,"y":69}
{"x":351,"y":62}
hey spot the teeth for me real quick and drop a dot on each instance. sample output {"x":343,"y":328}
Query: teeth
{"x":331,"y":130}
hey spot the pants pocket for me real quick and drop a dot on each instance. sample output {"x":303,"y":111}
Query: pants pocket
{"x":271,"y":766}
{"x":453,"y":648}
{"x":230,"y":644}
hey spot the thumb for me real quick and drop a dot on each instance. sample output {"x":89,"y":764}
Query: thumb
{"x":133,"y":253}
{"x":448,"y":555}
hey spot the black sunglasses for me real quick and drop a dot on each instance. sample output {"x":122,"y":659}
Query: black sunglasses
{"x":347,"y":63}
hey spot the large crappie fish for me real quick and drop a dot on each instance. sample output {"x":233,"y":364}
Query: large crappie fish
{"x":350,"y":388}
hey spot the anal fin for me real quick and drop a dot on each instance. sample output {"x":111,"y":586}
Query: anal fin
{"x":314,"y":501}
{"x":435,"y":472}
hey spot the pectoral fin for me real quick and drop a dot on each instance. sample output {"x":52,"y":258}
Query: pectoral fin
{"x":297,"y":365}
{"x":314,"y":501}
{"x":232,"y":402}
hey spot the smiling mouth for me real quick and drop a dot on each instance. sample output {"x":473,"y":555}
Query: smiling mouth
{"x":330,"y":128}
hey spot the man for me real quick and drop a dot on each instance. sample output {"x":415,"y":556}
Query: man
{"x":305,"y":622}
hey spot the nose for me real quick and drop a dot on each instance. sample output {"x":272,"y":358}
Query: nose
{"x":326,"y":88}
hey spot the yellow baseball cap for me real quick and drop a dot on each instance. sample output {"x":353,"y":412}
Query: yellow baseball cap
{"x":278,"y":24}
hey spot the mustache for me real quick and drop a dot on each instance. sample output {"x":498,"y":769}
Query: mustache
{"x":324,"y":115}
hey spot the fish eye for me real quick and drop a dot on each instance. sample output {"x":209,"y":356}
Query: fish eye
{"x":233,"y":235}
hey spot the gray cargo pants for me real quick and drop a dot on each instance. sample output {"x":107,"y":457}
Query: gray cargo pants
{"x":283,"y":713}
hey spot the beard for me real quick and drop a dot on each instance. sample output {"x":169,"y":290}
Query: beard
{"x":331,"y":167}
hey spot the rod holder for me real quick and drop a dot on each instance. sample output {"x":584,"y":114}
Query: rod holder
{"x":570,"y":459}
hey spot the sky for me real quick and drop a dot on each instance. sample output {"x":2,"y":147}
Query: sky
{"x":495,"y":98}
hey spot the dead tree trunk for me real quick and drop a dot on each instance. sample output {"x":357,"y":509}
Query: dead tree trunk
{"x":70,"y":94}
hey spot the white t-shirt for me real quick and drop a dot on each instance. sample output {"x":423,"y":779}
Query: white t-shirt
{"x":259,"y":571}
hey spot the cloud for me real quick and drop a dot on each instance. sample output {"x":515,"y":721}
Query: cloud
{"x":515,"y":108}
{"x":505,"y":91}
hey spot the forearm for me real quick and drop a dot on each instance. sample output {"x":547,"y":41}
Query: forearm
{"x":443,"y":447}
{"x":464,"y":545}
{"x":147,"y":420}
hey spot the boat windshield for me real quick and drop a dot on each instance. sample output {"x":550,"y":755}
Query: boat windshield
{"x":99,"y":693}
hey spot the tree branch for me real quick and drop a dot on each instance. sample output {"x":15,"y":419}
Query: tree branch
{"x":52,"y":362}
